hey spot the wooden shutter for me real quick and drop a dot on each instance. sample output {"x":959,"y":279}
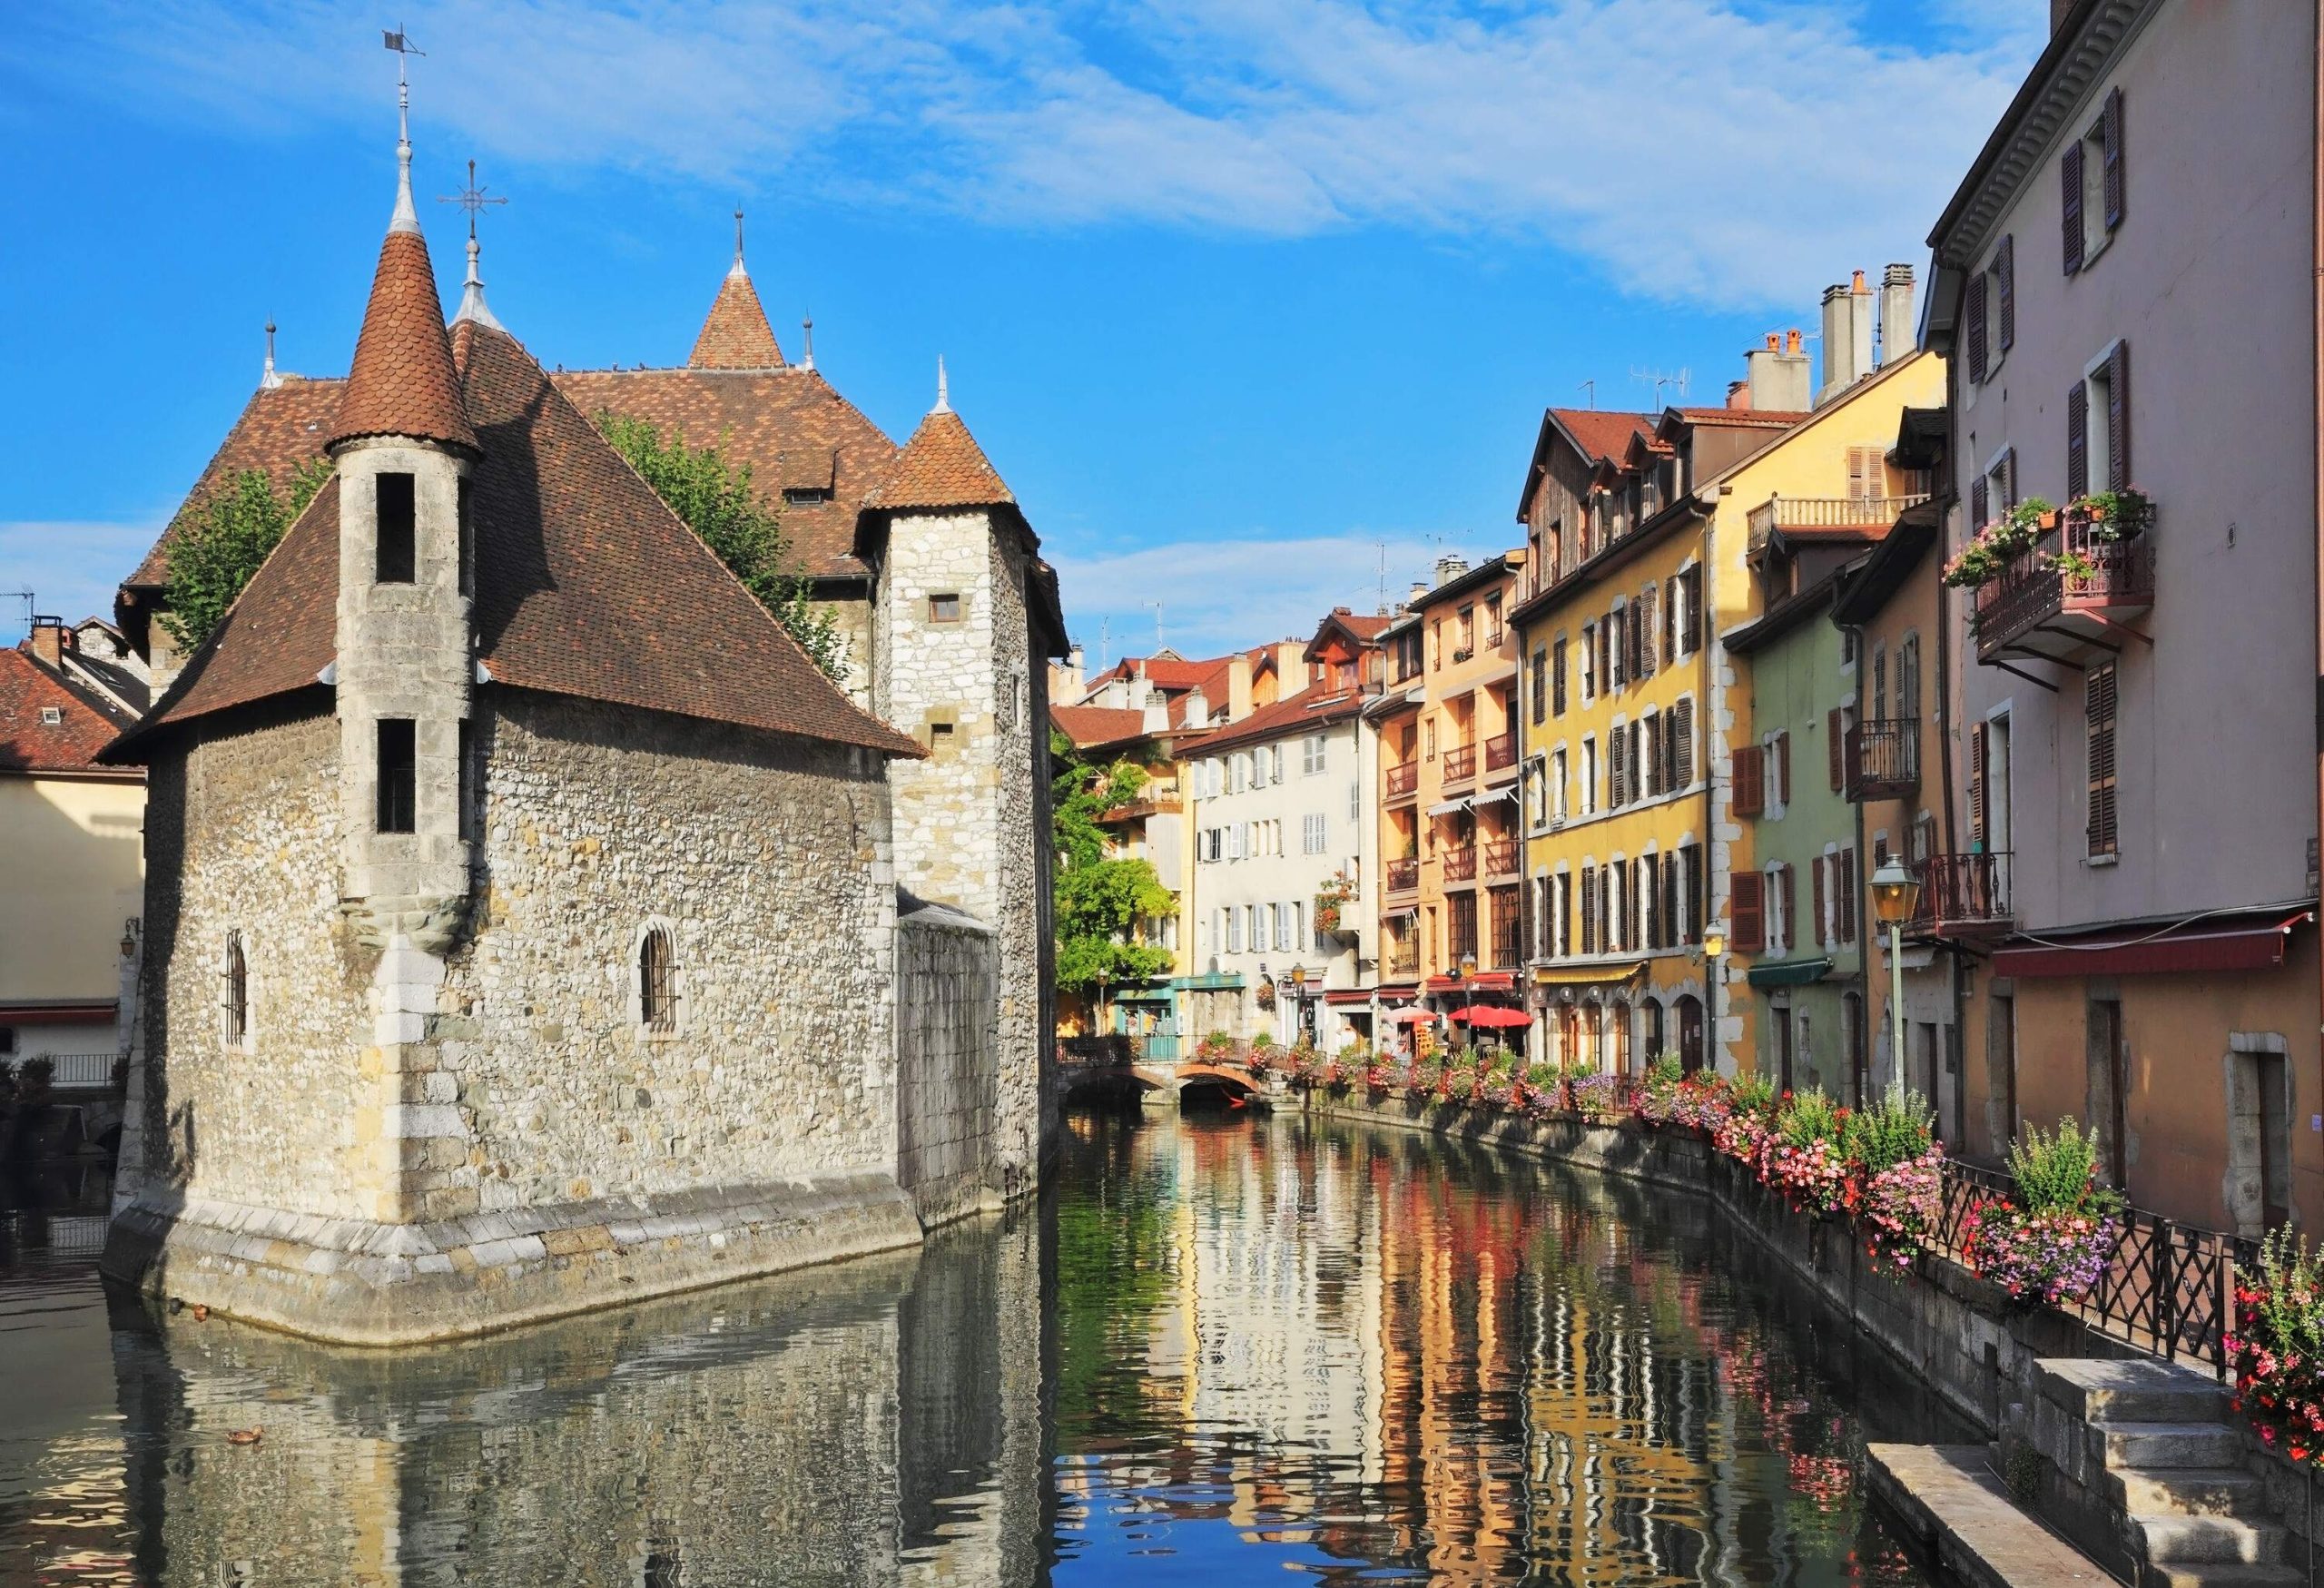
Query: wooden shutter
{"x":1978,"y":748}
{"x":1787,"y":878}
{"x":2006,"y":293}
{"x":1690,"y":581}
{"x":1682,"y":743}
{"x":1557,"y":677}
{"x":2008,"y":479}
{"x":1605,"y":678}
{"x":1975,"y":311}
{"x":1649,"y":626}
{"x":1540,"y":684}
{"x":1670,"y":618}
{"x":2070,"y":196}
{"x":2112,"y":138}
{"x":1671,"y":865}
{"x":1749,"y":793}
{"x":1847,"y":895}
{"x":1783,"y":767}
{"x":1816,"y":922}
{"x":1834,"y":737}
{"x":1980,"y":504}
{"x":1748,"y":896}
{"x":2077,"y":439}
{"x":2099,"y":704}
{"x":1652,"y":758}
{"x":2118,"y":416}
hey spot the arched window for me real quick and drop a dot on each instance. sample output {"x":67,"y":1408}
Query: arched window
{"x":235,"y":1000}
{"x":657,"y":1001}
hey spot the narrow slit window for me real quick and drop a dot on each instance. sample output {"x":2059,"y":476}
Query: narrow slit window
{"x":658,"y":1003}
{"x":399,"y":775}
{"x":467,"y":540}
{"x":397,"y":527}
{"x":236,"y":999}
{"x":471,"y":813}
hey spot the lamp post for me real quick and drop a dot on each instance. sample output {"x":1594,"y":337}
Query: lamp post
{"x":1104,"y":975}
{"x":1895,"y":892}
{"x":1714,"y":945}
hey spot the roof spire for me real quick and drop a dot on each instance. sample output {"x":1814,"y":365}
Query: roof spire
{"x":268,"y":380}
{"x":943,"y":394}
{"x":406,"y":218}
{"x":807,"y":333}
{"x":737,"y":269}
{"x":471,"y":198}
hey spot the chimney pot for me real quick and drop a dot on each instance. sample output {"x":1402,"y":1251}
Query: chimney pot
{"x":1791,"y":341}
{"x":1856,"y":283}
{"x":1451,"y":566}
{"x":1419,"y":594}
{"x":1772,"y":344}
{"x":1899,"y":335}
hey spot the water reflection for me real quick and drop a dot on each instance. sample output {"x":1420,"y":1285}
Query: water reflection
{"x":1362,"y":1356}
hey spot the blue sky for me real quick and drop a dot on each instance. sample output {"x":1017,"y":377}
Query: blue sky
{"x":1245,"y":298}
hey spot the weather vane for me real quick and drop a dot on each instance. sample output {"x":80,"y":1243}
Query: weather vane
{"x":471,"y":198}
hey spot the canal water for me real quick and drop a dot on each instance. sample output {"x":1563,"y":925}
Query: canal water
{"x":1266,"y":1346}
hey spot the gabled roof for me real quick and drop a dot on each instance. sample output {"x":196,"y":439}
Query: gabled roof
{"x":1305,"y":712}
{"x":1090,"y":725}
{"x":280,"y":427}
{"x":1362,"y":629}
{"x":1595,"y":434}
{"x":941,"y":467}
{"x":28,"y":743}
{"x":734,"y":334}
{"x":402,"y":382}
{"x":587,"y":584}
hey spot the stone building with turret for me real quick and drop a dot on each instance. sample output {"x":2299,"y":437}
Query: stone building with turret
{"x":530,"y":925}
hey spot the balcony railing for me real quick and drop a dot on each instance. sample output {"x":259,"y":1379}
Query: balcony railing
{"x":1963,"y":896}
{"x":1501,"y":750}
{"x":1501,"y":857}
{"x":1461,"y":865}
{"x":1868,"y":514}
{"x":1884,"y":759}
{"x":1404,"y":875}
{"x":1403,"y":964}
{"x":2039,"y":607}
{"x":1461,"y":764}
{"x":1403,"y":780}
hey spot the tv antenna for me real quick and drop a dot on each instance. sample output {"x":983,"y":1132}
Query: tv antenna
{"x":1657,"y":379}
{"x":1592,"y":388}
{"x":1157,"y":607}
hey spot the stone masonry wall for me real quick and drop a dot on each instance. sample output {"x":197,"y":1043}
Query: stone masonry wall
{"x":947,"y":992}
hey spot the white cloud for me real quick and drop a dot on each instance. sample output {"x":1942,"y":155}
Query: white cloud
{"x":1690,"y":149}
{"x":71,"y":568}
{"x":1216,"y":595}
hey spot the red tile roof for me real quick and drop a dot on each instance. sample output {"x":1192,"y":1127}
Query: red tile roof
{"x":29,"y":744}
{"x":402,"y":382}
{"x":1099,"y":724}
{"x":280,"y":427}
{"x":1601,"y":432}
{"x":735,"y":334}
{"x":941,"y":467}
{"x":1772,"y":417}
{"x":587,"y":584}
{"x":1310,"y":708}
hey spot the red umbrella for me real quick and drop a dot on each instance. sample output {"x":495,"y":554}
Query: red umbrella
{"x":1492,"y":1014}
{"x":1410,"y":1017}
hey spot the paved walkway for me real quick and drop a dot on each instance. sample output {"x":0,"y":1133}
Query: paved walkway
{"x":1963,"y":1514}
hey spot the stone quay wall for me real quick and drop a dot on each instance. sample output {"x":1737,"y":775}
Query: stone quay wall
{"x":948,"y":977}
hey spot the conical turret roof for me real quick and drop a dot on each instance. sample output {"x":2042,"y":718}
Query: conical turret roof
{"x":735,"y":334}
{"x":402,"y":382}
{"x":941,"y":467}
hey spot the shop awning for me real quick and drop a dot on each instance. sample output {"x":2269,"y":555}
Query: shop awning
{"x":1790,"y":973}
{"x":1446,"y":807}
{"x":1342,"y":997}
{"x":1483,"y":982}
{"x":1216,"y":981}
{"x":1143,"y":995}
{"x":1587,"y":975}
{"x":2233,"y":943}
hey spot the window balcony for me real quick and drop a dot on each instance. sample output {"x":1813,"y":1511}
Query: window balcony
{"x":1500,"y":858}
{"x":1964,"y":896}
{"x":2065,"y":597}
{"x":1824,"y":514}
{"x":1461,"y":864}
{"x":1884,"y":759}
{"x":1461,"y":764}
{"x":1403,"y":964}
{"x":1404,"y":875}
{"x":1501,"y":751}
{"x":1404,"y":782}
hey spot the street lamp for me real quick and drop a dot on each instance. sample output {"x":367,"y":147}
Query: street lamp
{"x":1895,"y":892}
{"x":1714,"y":945}
{"x":1104,"y":975}
{"x":1467,"y":965}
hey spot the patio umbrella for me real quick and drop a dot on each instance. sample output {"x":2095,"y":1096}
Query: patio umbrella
{"x":1492,"y":1014}
{"x":1408,"y":1017}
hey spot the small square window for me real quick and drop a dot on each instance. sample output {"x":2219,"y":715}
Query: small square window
{"x":944,"y":608}
{"x":51,"y":715}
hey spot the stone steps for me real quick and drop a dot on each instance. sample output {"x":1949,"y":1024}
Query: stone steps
{"x":2195,"y":1490}
{"x":2170,"y":1445}
{"x":2210,"y":1540}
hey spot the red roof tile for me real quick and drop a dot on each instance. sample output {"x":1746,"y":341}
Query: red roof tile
{"x":587,"y":584}
{"x":1099,"y":724}
{"x":402,"y":382}
{"x":1309,"y":709}
{"x":28,"y":743}
{"x":280,"y":427}
{"x":1601,"y":432}
{"x":735,"y":334}
{"x":941,"y":467}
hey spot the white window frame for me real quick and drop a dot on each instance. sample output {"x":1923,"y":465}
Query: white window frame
{"x":1314,"y":756}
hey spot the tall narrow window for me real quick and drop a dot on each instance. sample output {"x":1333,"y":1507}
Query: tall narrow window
{"x":235,"y":998}
{"x":471,"y":813}
{"x":2098,"y":709}
{"x":399,"y":775}
{"x":658,"y":1003}
{"x":397,"y":552}
{"x":467,"y":538}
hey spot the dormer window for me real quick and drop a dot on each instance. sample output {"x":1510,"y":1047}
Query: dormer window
{"x":52,"y":716}
{"x":397,"y":558}
{"x":805,"y":496}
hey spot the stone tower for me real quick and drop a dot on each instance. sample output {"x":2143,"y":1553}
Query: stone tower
{"x":959,"y":630}
{"x":405,"y":662}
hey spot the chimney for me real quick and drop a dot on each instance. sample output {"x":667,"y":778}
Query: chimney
{"x":1451,"y":566}
{"x":1419,"y":594}
{"x":1197,"y":707}
{"x":1897,"y":333}
{"x":1776,"y":375}
{"x":1290,"y":665}
{"x":1738,"y":392}
{"x":1158,"y":711}
{"x":1239,"y":686}
{"x":1839,"y":355}
{"x":50,"y":639}
{"x":1076,"y":660}
{"x":1860,"y":359}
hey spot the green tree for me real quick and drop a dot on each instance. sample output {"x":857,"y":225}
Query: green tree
{"x":219,"y":542}
{"x":716,"y":500}
{"x":1099,"y":901}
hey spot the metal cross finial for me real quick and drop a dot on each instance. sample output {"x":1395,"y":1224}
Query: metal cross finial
{"x":471,"y":198}
{"x":738,"y":234}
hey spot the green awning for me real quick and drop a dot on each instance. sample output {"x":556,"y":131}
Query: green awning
{"x":1790,"y":973}
{"x":1216,"y":981}
{"x":1162,"y":994}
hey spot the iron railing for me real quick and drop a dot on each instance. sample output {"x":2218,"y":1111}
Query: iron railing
{"x":1884,"y":758}
{"x":77,"y":1072}
{"x":1404,"y":875}
{"x":1501,"y":857}
{"x":1461,"y":865}
{"x":1402,"y":964}
{"x":2034,"y":585}
{"x":1459,"y":764}
{"x":1501,"y":750}
{"x":1963,"y":892}
{"x":1403,"y":780}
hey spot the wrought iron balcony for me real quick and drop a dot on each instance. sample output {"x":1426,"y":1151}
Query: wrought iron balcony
{"x":1461,"y":864}
{"x":1884,"y":759}
{"x":1501,"y":857}
{"x":1829,"y":515}
{"x":1461,"y":764}
{"x":1404,"y":875}
{"x":1501,"y":750}
{"x":1964,"y":896}
{"x":2067,"y":596}
{"x":1403,"y":964}
{"x":1404,"y":782}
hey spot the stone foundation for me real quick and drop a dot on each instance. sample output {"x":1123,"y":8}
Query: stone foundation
{"x":361,"y":1283}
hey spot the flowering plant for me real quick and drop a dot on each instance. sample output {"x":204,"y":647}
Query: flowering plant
{"x":1659,"y":1095}
{"x":1497,"y":1089}
{"x":1331,"y":899}
{"x":1994,"y":545}
{"x":2114,"y":515}
{"x":1704,"y":1101}
{"x":1800,"y":1155}
{"x":1597,"y":1096}
{"x":1377,"y":1075}
{"x":2276,"y":1354}
{"x":1898,"y":1191}
{"x":1218,"y":1048}
{"x":1456,"y":1084}
{"x":2050,"y":1242}
{"x":1739,"y":1132}
{"x":1305,"y":1063}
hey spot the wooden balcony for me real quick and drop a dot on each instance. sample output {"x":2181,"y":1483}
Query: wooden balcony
{"x":1159,"y":797}
{"x":1404,"y":782}
{"x":1884,"y":759}
{"x":1461,"y":764}
{"x":1461,"y":864}
{"x":1963,"y":897}
{"x":1404,"y":875}
{"x":1501,"y":750}
{"x":2035,"y":609}
{"x":1500,"y":858}
{"x":1827,"y":515}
